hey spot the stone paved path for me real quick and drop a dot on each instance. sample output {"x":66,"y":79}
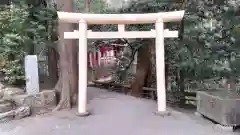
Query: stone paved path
{"x":113,"y":114}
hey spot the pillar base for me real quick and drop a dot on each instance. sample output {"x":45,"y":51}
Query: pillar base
{"x":85,"y":114}
{"x":198,"y":114}
{"x":163,"y":113}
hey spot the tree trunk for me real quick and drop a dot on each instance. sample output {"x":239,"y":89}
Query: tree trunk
{"x":53,"y":55}
{"x":143,"y":68}
{"x":149,"y":77}
{"x":87,"y":5}
{"x":52,"y":65}
{"x":67,"y":83}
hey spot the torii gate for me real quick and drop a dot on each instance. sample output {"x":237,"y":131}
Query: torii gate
{"x":121,"y":19}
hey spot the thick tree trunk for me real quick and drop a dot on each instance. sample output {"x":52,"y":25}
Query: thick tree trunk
{"x":52,"y":65}
{"x":67,"y":49}
{"x":149,"y":77}
{"x":143,"y":68}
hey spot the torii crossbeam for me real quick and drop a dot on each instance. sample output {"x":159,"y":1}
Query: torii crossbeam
{"x":121,"y":19}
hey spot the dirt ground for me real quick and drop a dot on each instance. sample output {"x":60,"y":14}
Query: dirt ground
{"x":114,"y":114}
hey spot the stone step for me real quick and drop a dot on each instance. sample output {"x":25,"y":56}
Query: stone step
{"x":25,"y":105}
{"x":18,"y":113}
{"x":1,"y":93}
{"x":6,"y":116}
{"x":12,"y":91}
{"x":6,"y":106}
{"x":44,"y":100}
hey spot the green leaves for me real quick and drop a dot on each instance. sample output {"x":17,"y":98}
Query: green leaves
{"x":210,"y":43}
{"x":22,"y":28}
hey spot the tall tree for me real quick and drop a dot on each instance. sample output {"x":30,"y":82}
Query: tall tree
{"x":144,"y":69}
{"x":145,"y":72}
{"x":67,"y":83}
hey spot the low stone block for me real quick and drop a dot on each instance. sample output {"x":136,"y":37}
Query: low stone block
{"x":11,"y":91}
{"x":7,"y":116}
{"x":5,"y":106}
{"x":1,"y":93}
{"x":1,"y":86}
{"x":22,"y":112}
{"x":1,"y":90}
{"x":19,"y":113}
{"x":6,"y":119}
{"x":37,"y":102}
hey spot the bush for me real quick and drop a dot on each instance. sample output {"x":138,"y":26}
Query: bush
{"x":20,"y":33}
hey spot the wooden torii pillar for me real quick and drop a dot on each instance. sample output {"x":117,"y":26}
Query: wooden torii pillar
{"x":121,"y":19}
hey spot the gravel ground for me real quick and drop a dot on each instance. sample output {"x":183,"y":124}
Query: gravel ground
{"x":114,"y":114}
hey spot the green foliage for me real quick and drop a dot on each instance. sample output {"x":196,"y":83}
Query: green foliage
{"x":12,"y":43}
{"x":22,"y":28}
{"x":14,"y":73}
{"x":209,"y":46}
{"x":96,"y":6}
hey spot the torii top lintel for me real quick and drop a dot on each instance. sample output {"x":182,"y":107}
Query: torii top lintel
{"x":146,"y":18}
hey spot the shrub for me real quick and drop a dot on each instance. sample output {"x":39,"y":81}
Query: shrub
{"x":21,"y":29}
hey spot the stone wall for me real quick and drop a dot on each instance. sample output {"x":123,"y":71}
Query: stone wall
{"x":16,"y":104}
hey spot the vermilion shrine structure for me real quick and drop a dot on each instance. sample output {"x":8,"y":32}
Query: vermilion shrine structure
{"x":121,"y":19}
